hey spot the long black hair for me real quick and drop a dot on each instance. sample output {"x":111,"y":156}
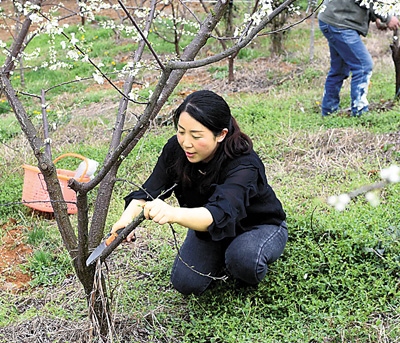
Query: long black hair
{"x":212,"y":111}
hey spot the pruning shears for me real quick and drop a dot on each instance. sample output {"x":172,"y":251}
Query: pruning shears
{"x":104,"y":244}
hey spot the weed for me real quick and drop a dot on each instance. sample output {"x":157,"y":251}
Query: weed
{"x":36,"y":235}
{"x":8,"y":128}
{"x":219,"y":72}
{"x":48,"y":269}
{"x":4,"y":106}
{"x":10,"y":195}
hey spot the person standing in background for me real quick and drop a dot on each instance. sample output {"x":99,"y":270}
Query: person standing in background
{"x":343,"y":22}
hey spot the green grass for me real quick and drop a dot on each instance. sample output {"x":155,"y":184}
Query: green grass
{"x":4,"y":107}
{"x":10,"y":196}
{"x":9,"y":127}
{"x":328,"y":284}
{"x":219,"y":72}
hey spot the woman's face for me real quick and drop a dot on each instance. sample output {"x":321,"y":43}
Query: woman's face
{"x":198,"y":142}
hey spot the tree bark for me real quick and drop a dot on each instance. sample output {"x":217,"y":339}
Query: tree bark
{"x":395,"y":46}
{"x":107,"y":185}
{"x":18,"y":44}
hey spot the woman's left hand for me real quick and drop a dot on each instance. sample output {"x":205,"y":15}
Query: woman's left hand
{"x":159,"y":211}
{"x":198,"y":218}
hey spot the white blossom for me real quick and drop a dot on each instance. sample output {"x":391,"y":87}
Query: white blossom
{"x":133,"y":95}
{"x":388,"y":7}
{"x":60,"y":65}
{"x":31,"y":56}
{"x":74,"y":40}
{"x":140,"y":13}
{"x":372,"y":198}
{"x":339,"y":202}
{"x":98,"y":78}
{"x":35,"y":18}
{"x":53,"y":27}
{"x":73,"y":55}
{"x":391,"y":174}
{"x":29,"y":7}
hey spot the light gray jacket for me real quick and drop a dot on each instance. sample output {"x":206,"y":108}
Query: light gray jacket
{"x":348,"y":14}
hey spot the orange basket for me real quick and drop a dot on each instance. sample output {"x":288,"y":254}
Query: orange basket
{"x":34,"y":191}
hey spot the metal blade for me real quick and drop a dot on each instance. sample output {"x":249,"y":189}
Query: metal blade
{"x":96,"y":253}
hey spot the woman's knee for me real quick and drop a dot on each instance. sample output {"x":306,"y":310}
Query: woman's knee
{"x":248,"y":256}
{"x":186,"y":281}
{"x":186,"y":288}
{"x":246,"y":265}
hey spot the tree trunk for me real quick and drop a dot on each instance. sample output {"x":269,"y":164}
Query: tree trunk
{"x":312,"y":36}
{"x":229,"y":33}
{"x":395,"y":46}
{"x":277,"y":36}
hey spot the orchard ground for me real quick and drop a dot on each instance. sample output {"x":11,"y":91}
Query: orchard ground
{"x":250,"y":77}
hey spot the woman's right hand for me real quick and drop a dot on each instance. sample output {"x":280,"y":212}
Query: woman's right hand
{"x":121,"y":224}
{"x":133,"y":210}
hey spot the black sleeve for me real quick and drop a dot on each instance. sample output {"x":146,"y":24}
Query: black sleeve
{"x":229,"y":201}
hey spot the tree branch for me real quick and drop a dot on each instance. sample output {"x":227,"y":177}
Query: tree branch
{"x":112,"y":161}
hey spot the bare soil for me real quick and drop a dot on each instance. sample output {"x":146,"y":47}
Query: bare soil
{"x":13,"y":253}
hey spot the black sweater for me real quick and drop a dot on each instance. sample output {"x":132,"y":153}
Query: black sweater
{"x":239,"y":200}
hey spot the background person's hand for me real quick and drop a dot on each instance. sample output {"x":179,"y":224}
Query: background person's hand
{"x":393,"y":24}
{"x":381,"y":26}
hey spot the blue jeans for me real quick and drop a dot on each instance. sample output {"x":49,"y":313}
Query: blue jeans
{"x":348,"y":54}
{"x":245,"y":258}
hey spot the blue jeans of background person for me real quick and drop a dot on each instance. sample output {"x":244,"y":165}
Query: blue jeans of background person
{"x":348,"y":54}
{"x":245,"y":258}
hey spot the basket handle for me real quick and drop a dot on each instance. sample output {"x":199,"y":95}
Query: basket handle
{"x":71,"y":154}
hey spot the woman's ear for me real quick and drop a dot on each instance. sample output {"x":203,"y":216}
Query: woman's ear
{"x":222,"y":135}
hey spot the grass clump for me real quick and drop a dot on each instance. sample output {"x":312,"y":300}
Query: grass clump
{"x":48,"y":269}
